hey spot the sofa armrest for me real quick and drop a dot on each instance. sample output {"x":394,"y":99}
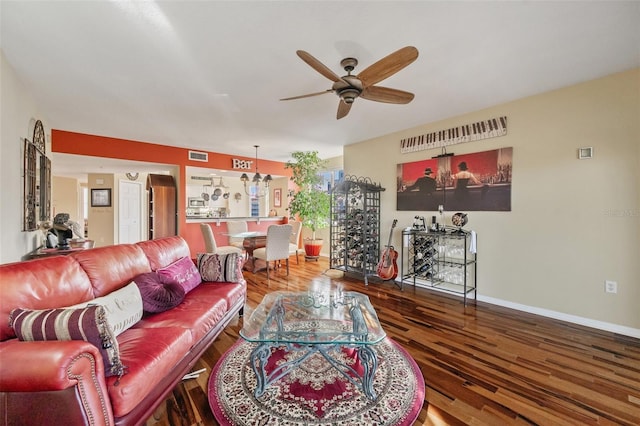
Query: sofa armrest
{"x":51,"y":365}
{"x":39,"y":368}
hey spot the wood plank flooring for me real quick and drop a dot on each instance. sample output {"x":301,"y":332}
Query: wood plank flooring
{"x":482,"y":365}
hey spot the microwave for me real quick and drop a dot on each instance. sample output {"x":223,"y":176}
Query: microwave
{"x":197,"y":202}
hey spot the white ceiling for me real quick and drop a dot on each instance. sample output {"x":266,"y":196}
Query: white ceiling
{"x":209,"y":74}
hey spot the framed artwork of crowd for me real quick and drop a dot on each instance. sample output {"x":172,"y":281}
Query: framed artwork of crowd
{"x":478,"y":181}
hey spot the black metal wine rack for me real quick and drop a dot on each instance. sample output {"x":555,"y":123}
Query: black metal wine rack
{"x":355,"y":226}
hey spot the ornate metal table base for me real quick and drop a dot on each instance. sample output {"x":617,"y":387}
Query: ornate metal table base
{"x":310,"y":324}
{"x":367,"y":356}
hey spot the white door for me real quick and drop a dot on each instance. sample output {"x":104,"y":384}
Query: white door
{"x":129,"y":216}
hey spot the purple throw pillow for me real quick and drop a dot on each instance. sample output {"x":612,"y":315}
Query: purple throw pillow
{"x":89,"y":324}
{"x":158,"y":296}
{"x":183,"y":271}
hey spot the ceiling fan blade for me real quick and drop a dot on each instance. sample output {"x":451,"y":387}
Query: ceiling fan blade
{"x":343,"y":109}
{"x":385,"y":94}
{"x":307,"y":96}
{"x":388,"y":66}
{"x":318,"y":66}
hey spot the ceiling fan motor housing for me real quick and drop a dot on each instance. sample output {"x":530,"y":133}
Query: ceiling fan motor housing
{"x":349,"y":95}
{"x":349,"y":87}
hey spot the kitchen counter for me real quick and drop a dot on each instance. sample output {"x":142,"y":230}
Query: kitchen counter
{"x":201,"y":219}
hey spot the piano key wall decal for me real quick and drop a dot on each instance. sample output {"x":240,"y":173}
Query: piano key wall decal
{"x":486,"y":129}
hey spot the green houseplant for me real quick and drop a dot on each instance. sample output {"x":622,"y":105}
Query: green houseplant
{"x":309,"y":201}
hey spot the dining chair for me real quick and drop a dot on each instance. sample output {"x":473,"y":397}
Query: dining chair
{"x":277,"y":248}
{"x":236,"y":227}
{"x":294,"y":239}
{"x":210,"y":242}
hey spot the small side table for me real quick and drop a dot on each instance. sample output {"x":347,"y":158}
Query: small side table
{"x":75,"y":246}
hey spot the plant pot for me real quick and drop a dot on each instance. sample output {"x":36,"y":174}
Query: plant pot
{"x":312,"y":248}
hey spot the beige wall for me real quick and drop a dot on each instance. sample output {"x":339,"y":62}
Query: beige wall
{"x":67,"y":191}
{"x":18,"y":112}
{"x":101,"y":220}
{"x":65,"y":197}
{"x":574,"y":223}
{"x":281,"y":183}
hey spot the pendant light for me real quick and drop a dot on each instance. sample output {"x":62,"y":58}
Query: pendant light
{"x":257,"y":178}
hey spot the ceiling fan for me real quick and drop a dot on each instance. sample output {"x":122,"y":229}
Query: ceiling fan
{"x":350,"y":87}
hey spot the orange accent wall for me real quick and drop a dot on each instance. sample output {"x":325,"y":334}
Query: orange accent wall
{"x":103,"y":146}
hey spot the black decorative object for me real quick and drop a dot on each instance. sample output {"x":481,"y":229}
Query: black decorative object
{"x":459,"y":220}
{"x":37,"y":180}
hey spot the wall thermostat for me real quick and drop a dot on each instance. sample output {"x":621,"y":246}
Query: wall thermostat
{"x":585,"y":153}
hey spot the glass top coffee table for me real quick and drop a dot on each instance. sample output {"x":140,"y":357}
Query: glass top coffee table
{"x":314,"y":322}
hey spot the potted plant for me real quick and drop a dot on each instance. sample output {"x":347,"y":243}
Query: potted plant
{"x":309,"y":201}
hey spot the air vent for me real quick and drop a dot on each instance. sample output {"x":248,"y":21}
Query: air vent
{"x":198,"y":156}
{"x":199,"y":180}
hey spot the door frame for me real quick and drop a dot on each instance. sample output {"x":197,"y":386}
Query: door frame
{"x":141,"y":206}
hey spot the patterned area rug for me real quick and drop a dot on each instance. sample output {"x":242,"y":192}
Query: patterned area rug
{"x":316,"y":393}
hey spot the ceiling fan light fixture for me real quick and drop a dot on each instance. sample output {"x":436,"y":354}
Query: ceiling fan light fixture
{"x":348,"y":95}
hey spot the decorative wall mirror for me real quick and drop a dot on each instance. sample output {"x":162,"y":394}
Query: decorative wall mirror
{"x":37,"y":180}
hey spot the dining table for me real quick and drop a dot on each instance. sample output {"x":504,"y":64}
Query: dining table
{"x":251,"y":241}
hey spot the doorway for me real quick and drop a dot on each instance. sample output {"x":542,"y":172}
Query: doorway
{"x":129,"y":212}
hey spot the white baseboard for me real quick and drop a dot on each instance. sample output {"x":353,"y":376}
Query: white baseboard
{"x":587,"y":322}
{"x":601,"y":325}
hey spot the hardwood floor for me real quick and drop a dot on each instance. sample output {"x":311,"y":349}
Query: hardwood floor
{"x":482,"y":365}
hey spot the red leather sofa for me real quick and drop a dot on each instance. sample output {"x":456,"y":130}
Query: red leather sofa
{"x":63,"y":382}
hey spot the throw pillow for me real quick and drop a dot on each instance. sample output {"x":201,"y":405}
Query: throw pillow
{"x":220,"y":267}
{"x":123,"y":307}
{"x":156,"y":295}
{"x":89,"y":324}
{"x":183,"y":272}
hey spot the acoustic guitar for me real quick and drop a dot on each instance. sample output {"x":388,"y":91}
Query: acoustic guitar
{"x":387,"y":267}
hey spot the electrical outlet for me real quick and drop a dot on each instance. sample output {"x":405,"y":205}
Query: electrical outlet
{"x":610,"y":286}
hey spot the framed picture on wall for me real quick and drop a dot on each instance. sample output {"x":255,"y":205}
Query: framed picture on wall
{"x":101,"y":197}
{"x":277,"y":197}
{"x":478,"y":181}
